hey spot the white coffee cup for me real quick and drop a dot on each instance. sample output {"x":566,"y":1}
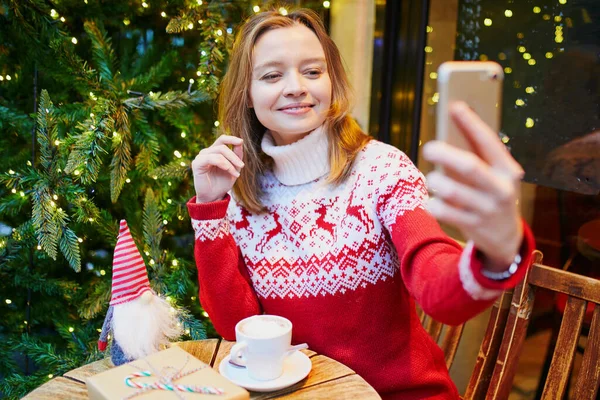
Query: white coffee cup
{"x":263,"y":343}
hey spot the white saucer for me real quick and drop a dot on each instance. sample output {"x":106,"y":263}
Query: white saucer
{"x":295,"y":368}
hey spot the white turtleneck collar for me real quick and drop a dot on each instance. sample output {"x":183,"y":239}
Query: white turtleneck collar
{"x":299,"y":162}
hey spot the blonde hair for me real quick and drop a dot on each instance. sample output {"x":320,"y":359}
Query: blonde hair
{"x":346,"y":138}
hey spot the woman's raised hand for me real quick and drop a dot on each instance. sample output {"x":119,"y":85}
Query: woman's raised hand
{"x":216,"y":168}
{"x":480,"y":193}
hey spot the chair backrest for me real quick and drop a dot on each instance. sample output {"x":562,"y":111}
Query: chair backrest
{"x":580,"y":290}
{"x":446,"y":336}
{"x":490,"y":346}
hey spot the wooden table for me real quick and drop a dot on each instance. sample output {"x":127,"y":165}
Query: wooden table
{"x":328,"y":378}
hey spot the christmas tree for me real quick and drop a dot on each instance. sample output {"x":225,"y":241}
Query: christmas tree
{"x":103,"y":105}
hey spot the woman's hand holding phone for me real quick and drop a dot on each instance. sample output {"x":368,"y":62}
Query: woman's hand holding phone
{"x":478,"y":192}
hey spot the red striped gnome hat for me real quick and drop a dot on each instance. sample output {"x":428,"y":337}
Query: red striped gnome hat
{"x":130,"y":278}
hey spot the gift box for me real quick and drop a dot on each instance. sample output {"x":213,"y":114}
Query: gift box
{"x":168,"y":374}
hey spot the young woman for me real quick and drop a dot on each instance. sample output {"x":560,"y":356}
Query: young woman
{"x":329,"y":228}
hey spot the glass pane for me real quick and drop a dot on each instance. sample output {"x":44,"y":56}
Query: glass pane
{"x":550,"y":51}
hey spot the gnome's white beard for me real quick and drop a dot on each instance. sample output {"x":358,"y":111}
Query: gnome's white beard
{"x":141,"y":327}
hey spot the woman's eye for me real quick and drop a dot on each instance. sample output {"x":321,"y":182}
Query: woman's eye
{"x":270,"y":77}
{"x":314,"y":73}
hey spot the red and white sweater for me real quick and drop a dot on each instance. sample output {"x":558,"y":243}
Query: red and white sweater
{"x":344,"y":265}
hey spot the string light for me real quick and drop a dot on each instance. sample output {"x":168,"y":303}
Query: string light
{"x":505,"y":139}
{"x":190,"y":25}
{"x":8,"y":301}
{"x":487,"y":22}
{"x":11,"y":172}
{"x":256,"y":9}
{"x":174,"y":262}
{"x":165,"y":222}
{"x":520,"y":102}
{"x":530,"y":90}
{"x":50,"y":376}
{"x":283,"y":11}
{"x":39,"y":247}
{"x":74,"y":40}
{"x":71,"y":329}
{"x":22,"y":194}
{"x":558,"y":18}
{"x":217,"y":123}
{"x":562,"y":1}
{"x":531,"y":62}
{"x":192,"y":80}
{"x":537,"y":10}
{"x":526,"y":56}
{"x":529,"y":123}
{"x":549,"y":55}
{"x":128,"y":180}
{"x":102,"y":272}
{"x":200,"y":21}
{"x":14,"y":190}
{"x":326,"y":4}
{"x":183,"y":134}
{"x":145,"y":5}
{"x":80,"y":240}
{"x":126,"y":21}
{"x":436,"y":97}
{"x":1,"y":78}
{"x":522,"y":49}
{"x":163,"y":14}
{"x":428,"y":49}
{"x":205,"y":314}
{"x":508,"y":70}
{"x":55,"y":197}
{"x":219,"y":32}
{"x":63,"y":19}
{"x":433,"y":75}
{"x":199,"y":2}
{"x":182,"y":164}
{"x":169,"y":201}
{"x":508,"y":13}
{"x":177,"y":153}
{"x":429,"y":29}
{"x":53,"y":13}
{"x":8,"y":78}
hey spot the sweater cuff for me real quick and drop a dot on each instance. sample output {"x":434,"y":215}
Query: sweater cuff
{"x":208,"y":219}
{"x":481,"y":288}
{"x":214,"y":210}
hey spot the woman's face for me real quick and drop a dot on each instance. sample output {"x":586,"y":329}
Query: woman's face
{"x":291,"y":88}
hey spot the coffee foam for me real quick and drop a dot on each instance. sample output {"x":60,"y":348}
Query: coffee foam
{"x":264,"y":328}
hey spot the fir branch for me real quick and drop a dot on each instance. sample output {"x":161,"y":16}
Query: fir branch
{"x":70,"y":248}
{"x":39,"y":282}
{"x":86,"y":155}
{"x":10,"y":120}
{"x":152,"y":224}
{"x":173,"y":170}
{"x":146,"y":139}
{"x":169,"y":101}
{"x":47,"y":231}
{"x":197,"y":329}
{"x":46,"y":130}
{"x":156,"y":74}
{"x":45,"y":354}
{"x":16,"y":386}
{"x":102,"y":51}
{"x":12,"y":205}
{"x":121,"y":161}
{"x":97,"y":299}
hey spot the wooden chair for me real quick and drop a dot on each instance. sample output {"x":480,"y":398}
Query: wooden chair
{"x":580,"y":290}
{"x":446,"y":336}
{"x":490,"y":346}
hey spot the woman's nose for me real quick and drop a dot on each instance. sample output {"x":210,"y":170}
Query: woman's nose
{"x":294,"y":86}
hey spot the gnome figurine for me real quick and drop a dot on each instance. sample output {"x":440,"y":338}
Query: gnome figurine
{"x":140,"y":321}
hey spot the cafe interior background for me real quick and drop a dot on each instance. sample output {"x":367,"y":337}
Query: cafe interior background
{"x":550,"y":52}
